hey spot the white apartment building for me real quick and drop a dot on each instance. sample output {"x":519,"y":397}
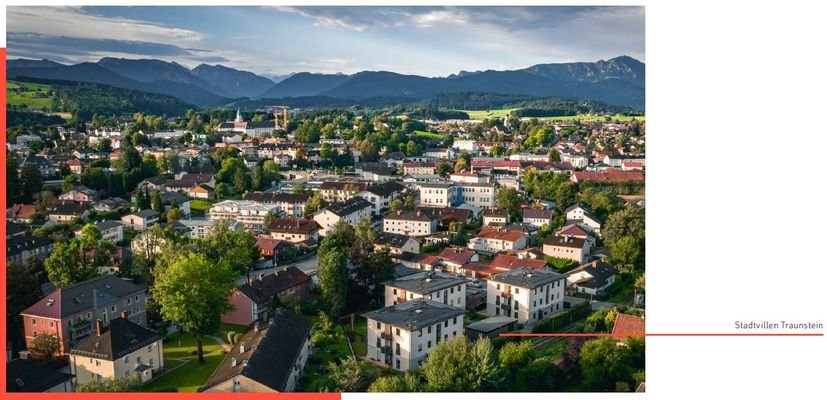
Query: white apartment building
{"x":525,"y":293}
{"x":494,"y":239}
{"x":401,"y":336}
{"x":468,"y":146}
{"x":469,"y":177}
{"x":480,"y":195}
{"x":442,"y":194}
{"x":431,"y":285}
{"x":414,"y":223}
{"x":249,"y":213}
{"x":200,"y":228}
{"x":351,"y":211}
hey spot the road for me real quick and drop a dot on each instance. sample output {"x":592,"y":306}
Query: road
{"x":307,"y":266}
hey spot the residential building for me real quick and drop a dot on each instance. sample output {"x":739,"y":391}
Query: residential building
{"x":110,"y":230}
{"x":249,"y":213}
{"x":446,"y":215}
{"x":141,"y":220}
{"x":495,"y":216}
{"x":290,"y":205}
{"x":118,"y":350}
{"x":480,"y":195}
{"x":400,"y":336}
{"x":592,"y":278}
{"x":381,"y":195}
{"x":431,"y":285}
{"x":567,"y":247}
{"x":494,"y":239}
{"x":396,"y":243}
{"x":439,"y":194}
{"x":68,"y":210}
{"x":20,"y":247}
{"x":70,"y":312}
{"x":537,"y":217}
{"x":21,"y":213}
{"x":453,"y":258}
{"x":269,"y":357}
{"x":27,"y":376}
{"x":80,"y":193}
{"x":351,"y":211}
{"x":414,"y":223}
{"x":469,"y":177}
{"x":201,"y":192}
{"x":174,"y":198}
{"x":628,"y":325}
{"x":340,"y":191}
{"x":200,"y":228}
{"x":526,"y":294}
{"x":581,"y":215}
{"x":252,"y":299}
{"x":418,"y":168}
{"x":294,"y":230}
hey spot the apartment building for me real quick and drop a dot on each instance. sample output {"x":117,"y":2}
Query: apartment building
{"x":414,"y":223}
{"x":431,"y":285}
{"x":351,"y":211}
{"x":526,"y":294}
{"x":250,"y":213}
{"x":439,"y":194}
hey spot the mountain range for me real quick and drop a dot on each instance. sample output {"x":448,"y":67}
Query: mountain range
{"x":619,"y":81}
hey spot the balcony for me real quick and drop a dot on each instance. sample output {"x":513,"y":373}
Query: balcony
{"x":506,"y":295}
{"x":80,"y":326}
{"x":386,"y":336}
{"x":386,"y":350}
{"x":505,"y":306}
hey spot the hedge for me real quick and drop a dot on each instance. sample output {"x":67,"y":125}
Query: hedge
{"x":556,"y":322}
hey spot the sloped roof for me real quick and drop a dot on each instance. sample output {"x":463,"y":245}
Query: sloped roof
{"x":120,"y":338}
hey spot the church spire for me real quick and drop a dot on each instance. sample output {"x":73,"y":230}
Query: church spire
{"x":238,"y":116}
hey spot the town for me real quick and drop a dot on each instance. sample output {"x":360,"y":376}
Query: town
{"x":326,"y":250}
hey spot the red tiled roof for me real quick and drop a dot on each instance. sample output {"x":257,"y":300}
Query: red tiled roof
{"x":495,"y":163}
{"x":505,"y":262}
{"x":22,"y":211}
{"x":607,"y":176}
{"x":480,"y":270}
{"x":457,"y":255}
{"x":268,"y":244}
{"x":626,"y":324}
{"x":430,"y":260}
{"x":572,"y":230}
{"x":497,"y":233}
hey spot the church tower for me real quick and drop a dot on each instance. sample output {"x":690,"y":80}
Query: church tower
{"x":238,"y":116}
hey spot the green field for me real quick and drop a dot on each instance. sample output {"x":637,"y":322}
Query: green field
{"x":483,"y":114}
{"x":188,"y":377}
{"x":429,"y":134}
{"x":33,"y":95}
{"x":200,"y":206}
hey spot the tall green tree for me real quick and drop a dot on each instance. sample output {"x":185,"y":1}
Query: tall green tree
{"x":157,"y":202}
{"x":46,"y":344}
{"x":193,"y":292}
{"x":236,"y":247}
{"x":457,"y":365}
{"x":603,"y":363}
{"x":32,"y":182}
{"x":333,"y":275}
{"x":509,"y":199}
{"x":12,"y":179}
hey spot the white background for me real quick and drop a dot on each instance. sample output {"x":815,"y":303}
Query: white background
{"x":736,"y":145}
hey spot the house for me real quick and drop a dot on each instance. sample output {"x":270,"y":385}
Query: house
{"x":289,"y":205}
{"x":200,"y":228}
{"x":111,"y":204}
{"x":418,"y":168}
{"x":394,"y":159}
{"x":250,"y":213}
{"x":396,"y":243}
{"x":201,"y":192}
{"x":141,"y":220}
{"x":340,"y":191}
{"x":110,"y":230}
{"x":21,"y":213}
{"x":80,"y":193}
{"x":441,"y":153}
{"x":19,"y":248}
{"x":507,"y":262}
{"x":469,"y":177}
{"x":271,"y":249}
{"x":526,"y":294}
{"x":628,"y":325}
{"x":294,"y":230}
{"x":479,"y":195}
{"x":592,"y":278}
{"x":43,"y":165}
{"x":153,"y":183}
{"x":70,"y":312}
{"x":453,"y":258}
{"x":414,"y":223}
{"x":494,"y":239}
{"x":579,"y":214}
{"x":199,"y":179}
{"x":447,"y":215}
{"x":439,"y":194}
{"x":269,"y":357}
{"x":495,"y":216}
{"x":381,"y":195}
{"x":567,"y":247}
{"x":536,"y":217}
{"x":252,"y":299}
{"x":27,"y":376}
{"x":400,"y":336}
{"x":351,"y":211}
{"x":180,"y":185}
{"x":121,"y":349}
{"x":67,"y":211}
{"x":376,"y":172}
{"x":174,"y":198}
{"x":430,"y":285}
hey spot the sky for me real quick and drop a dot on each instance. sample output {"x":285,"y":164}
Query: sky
{"x":428,"y":41}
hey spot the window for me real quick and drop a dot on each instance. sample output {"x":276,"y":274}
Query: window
{"x":455,"y":320}
{"x":398,"y":349}
{"x":429,"y":331}
{"x":113,"y":308}
{"x":397,"y":332}
{"x":149,"y":348}
{"x":378,"y":325}
{"x":419,"y":333}
{"x":126,"y":373}
{"x":419,"y":347}
{"x":126,"y":360}
{"x":429,"y":344}
{"x":397,"y":364}
{"x":34,"y":322}
{"x":138,"y":359}
{"x":516,"y":291}
{"x":151,"y":362}
{"x":394,"y":291}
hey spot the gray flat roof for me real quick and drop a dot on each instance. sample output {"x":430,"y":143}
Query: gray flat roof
{"x":426,"y":282}
{"x":415,"y":314}
{"x":491,"y":324}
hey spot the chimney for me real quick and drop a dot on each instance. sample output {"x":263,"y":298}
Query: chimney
{"x":124,"y":314}
{"x":255,"y":327}
{"x":234,"y":362}
{"x":242,"y":347}
{"x":25,"y":354}
{"x":98,"y":327}
{"x":399,"y":212}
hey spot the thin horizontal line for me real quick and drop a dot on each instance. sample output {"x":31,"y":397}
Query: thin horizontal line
{"x":652,"y":334}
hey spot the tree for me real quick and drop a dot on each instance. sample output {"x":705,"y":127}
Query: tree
{"x":256,"y":178}
{"x":132,"y":384}
{"x":611,"y":317}
{"x":640,"y":283}
{"x":157,"y":202}
{"x":222,"y":190}
{"x":333,"y":275}
{"x":240,"y":181}
{"x":142,"y":202}
{"x":32,"y":182}
{"x":625,"y":251}
{"x":515,"y":355}
{"x":326,"y":151}
{"x":457,"y":365}
{"x":193,"y":292}
{"x":565,"y":195}
{"x":460,"y":165}
{"x":69,"y":183}
{"x":407,"y":382}
{"x":443,"y":169}
{"x":510,"y":200}
{"x":629,"y":222}
{"x":77,"y":260}
{"x":12,"y":179}
{"x":348,"y":375}
{"x":235,"y":247}
{"x":46,"y":344}
{"x":315,"y":203}
{"x":175,"y":214}
{"x":603,"y":363}
{"x":22,"y":290}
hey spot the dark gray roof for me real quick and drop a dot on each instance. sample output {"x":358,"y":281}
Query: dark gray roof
{"x":415,"y":314}
{"x":426,"y":282}
{"x":386,"y":189}
{"x":120,"y":338}
{"x":13,"y":229}
{"x":18,"y":244}
{"x":400,"y":270}
{"x":599,"y":270}
{"x":391,"y":239}
{"x":262,"y":290}
{"x":349,"y":207}
{"x":28,"y":376}
{"x":269,"y":354}
{"x":565,"y":241}
{"x":68,"y":207}
{"x":526,"y":277}
{"x":491,"y":324}
{"x":148,"y":213}
{"x":83,"y":296}
{"x":108,"y":224}
{"x":168,"y":197}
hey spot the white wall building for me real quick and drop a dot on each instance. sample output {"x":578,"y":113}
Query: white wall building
{"x":525,"y":293}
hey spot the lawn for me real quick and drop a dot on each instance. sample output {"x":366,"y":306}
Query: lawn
{"x":430,"y":134}
{"x":33,"y":95}
{"x":483,"y":114}
{"x":189,"y":377}
{"x":231,"y":327}
{"x":200,"y":206}
{"x":553,"y":350}
{"x":360,"y":336}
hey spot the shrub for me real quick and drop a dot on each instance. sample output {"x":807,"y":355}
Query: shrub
{"x":558,"y":321}
{"x":231,"y":337}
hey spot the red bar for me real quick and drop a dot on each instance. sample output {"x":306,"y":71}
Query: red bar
{"x":650,"y":334}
